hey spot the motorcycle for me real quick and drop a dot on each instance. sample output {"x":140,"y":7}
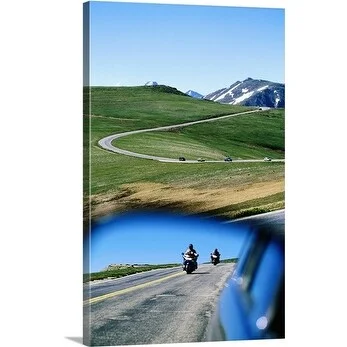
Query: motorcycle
{"x":189,"y":263}
{"x":215,"y":259}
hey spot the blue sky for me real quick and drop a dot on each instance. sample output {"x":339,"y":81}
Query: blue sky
{"x":203,"y":48}
{"x":159,"y":239}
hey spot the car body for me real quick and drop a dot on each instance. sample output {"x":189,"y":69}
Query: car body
{"x":201,"y":159}
{"x":267,"y":159}
{"x":228,"y":159}
{"x":251,"y":305}
{"x":182,"y":159}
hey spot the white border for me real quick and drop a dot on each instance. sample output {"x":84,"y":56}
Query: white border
{"x":41,"y":257}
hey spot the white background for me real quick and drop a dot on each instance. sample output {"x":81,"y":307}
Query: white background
{"x":41,"y":172}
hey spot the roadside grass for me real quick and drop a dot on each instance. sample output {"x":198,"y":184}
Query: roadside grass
{"x":225,"y":261}
{"x":114,"y":110}
{"x":233,"y":260}
{"x":251,"y":136}
{"x":168,"y":145}
{"x":111,"y":171}
{"x":225,"y":194}
{"x":124,"y":271}
{"x":249,"y":207}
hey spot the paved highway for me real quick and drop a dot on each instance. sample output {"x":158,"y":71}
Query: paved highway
{"x":160,"y":306}
{"x":106,"y":142}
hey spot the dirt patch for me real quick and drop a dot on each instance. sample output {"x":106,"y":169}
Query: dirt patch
{"x":190,"y":200}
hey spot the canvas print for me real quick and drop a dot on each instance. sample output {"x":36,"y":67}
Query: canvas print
{"x":184,"y":173}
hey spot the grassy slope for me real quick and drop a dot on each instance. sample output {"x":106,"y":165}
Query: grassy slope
{"x":117,"y":181}
{"x":243,"y":137}
{"x":129,"y":108}
{"x":145,"y":107}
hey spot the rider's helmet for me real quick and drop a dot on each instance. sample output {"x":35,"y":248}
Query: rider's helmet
{"x":190,"y":246}
{"x":216,"y":250}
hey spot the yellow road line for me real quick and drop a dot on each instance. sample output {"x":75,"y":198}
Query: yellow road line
{"x":127,"y":290}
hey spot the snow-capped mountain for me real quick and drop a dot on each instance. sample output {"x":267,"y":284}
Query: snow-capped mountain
{"x":151,"y":83}
{"x":194,"y":94}
{"x":251,"y":92}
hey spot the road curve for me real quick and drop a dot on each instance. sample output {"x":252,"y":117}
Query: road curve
{"x":106,"y":142}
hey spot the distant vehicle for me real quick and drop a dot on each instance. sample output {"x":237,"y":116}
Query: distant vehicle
{"x":182,"y":159}
{"x":189,"y":263}
{"x":215,"y":259}
{"x":201,"y":159}
{"x":251,"y":305}
{"x":267,"y":159}
{"x":228,"y":159}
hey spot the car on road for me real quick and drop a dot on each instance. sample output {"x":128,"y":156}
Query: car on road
{"x":182,"y":159}
{"x":251,"y":305}
{"x":267,"y":159}
{"x":201,"y":159}
{"x":228,"y":159}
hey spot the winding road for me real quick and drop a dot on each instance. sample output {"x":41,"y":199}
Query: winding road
{"x":106,"y":142}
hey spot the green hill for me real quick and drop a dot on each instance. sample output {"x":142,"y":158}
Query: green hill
{"x":119,"y":183}
{"x":252,"y":136}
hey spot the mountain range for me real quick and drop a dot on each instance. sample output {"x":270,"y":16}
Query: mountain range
{"x":251,"y":92}
{"x":194,"y":94}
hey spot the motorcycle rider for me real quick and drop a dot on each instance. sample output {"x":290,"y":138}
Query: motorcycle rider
{"x":191,"y":252}
{"x":216,"y":253}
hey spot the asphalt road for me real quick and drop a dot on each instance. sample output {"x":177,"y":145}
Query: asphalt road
{"x":96,"y":289}
{"x":160,"y":306}
{"x":106,"y":142}
{"x":274,"y":218}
